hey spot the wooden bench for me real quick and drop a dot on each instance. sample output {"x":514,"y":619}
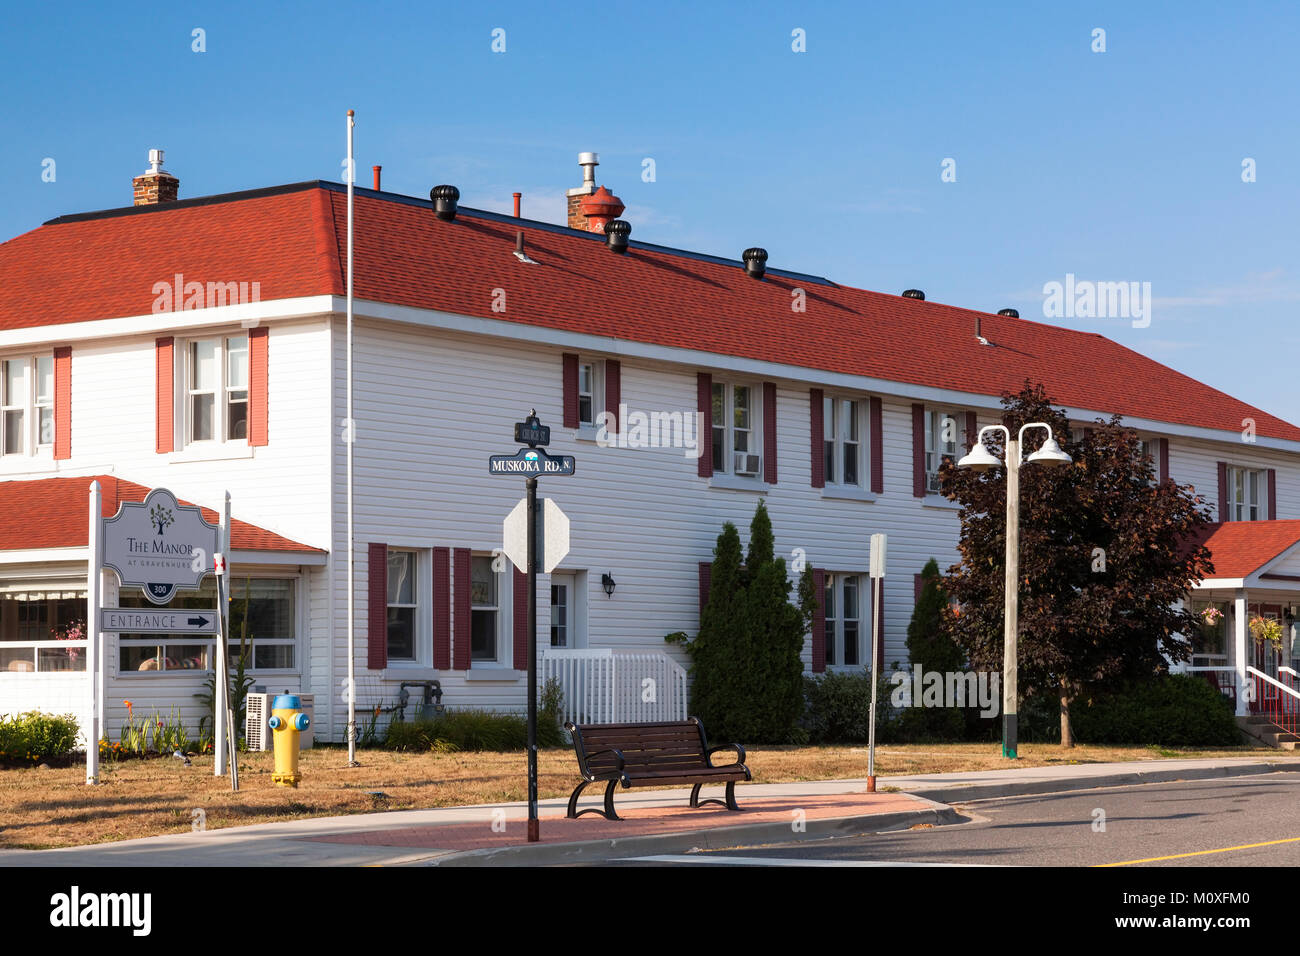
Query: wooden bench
{"x":649,"y":755}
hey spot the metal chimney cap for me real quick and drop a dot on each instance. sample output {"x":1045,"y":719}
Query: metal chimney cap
{"x":588,"y":159}
{"x":913,"y":294}
{"x":155,"y":161}
{"x":616,"y":233}
{"x":1010,"y":313}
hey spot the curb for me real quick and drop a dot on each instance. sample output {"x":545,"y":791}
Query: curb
{"x":972,"y":792}
{"x":715,"y":838}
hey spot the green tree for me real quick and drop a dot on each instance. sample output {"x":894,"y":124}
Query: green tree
{"x":931,"y":647}
{"x":1105,"y":555}
{"x":746,"y":669}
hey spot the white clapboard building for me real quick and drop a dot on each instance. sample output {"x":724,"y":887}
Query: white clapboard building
{"x":199,"y":345}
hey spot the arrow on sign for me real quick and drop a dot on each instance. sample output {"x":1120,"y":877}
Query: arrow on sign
{"x":198,"y":621}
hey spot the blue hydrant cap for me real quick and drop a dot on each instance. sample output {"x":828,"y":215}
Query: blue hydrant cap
{"x":275,"y":723}
{"x":287,"y":702}
{"x":301,"y":722}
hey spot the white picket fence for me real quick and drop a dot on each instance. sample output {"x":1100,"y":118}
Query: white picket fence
{"x":601,"y":687}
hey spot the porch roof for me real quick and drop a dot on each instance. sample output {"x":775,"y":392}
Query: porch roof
{"x":51,"y":513}
{"x":1245,"y":552}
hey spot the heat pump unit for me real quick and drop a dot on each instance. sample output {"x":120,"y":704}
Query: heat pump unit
{"x":257,"y":712}
{"x":747,"y":465}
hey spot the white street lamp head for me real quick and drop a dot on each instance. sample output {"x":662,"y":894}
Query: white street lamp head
{"x":1050,"y":453}
{"x":980,"y":459}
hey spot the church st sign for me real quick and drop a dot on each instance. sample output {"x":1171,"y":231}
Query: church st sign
{"x":159,"y":546}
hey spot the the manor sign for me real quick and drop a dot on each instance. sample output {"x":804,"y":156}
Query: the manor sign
{"x":159,"y":545}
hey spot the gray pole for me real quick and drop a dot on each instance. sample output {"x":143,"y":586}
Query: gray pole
{"x":533,"y":835}
{"x":875,"y":682}
{"x":1012,"y":606}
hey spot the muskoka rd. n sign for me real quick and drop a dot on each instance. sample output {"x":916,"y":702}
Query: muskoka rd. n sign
{"x":159,"y":545}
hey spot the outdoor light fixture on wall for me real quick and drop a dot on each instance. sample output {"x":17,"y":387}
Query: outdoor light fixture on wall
{"x":608,"y":583}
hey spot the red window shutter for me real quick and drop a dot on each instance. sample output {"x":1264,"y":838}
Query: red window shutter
{"x":817,"y":426}
{"x":706,"y":578}
{"x":442,"y":608}
{"x":63,"y":402}
{"x":769,"y":432}
{"x":165,"y":371}
{"x":460,"y":646}
{"x":570,"y":390}
{"x":1164,"y":460}
{"x":377,"y":634}
{"x":704,"y":404}
{"x":918,"y":584}
{"x":819,"y":623}
{"x":1087,"y":433}
{"x":1272,"y":494}
{"x":613,"y":393}
{"x":918,"y":451}
{"x":877,"y":448}
{"x":972,"y":429}
{"x":1223,"y":490}
{"x":257,"y":386}
{"x":521,"y":619}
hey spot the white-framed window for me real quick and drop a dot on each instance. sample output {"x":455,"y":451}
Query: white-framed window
{"x":26,"y":404}
{"x":485,"y":610}
{"x":262,"y":614}
{"x":942,"y":442}
{"x":561,"y":612}
{"x":590,"y":391}
{"x":1246,"y":490}
{"x":216,"y":389}
{"x":42,"y":629}
{"x":735,"y":422}
{"x":844,"y":620}
{"x":844,"y":431}
{"x":403,"y":603}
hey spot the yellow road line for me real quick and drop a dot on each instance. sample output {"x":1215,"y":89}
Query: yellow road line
{"x":1179,"y":856}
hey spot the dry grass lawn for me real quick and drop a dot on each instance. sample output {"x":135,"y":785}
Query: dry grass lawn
{"x":53,"y":807}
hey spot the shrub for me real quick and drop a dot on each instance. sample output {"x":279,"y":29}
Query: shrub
{"x":474,"y":730}
{"x":36,"y":736}
{"x":838,"y":709}
{"x":935,"y":651}
{"x":1172,"y":710}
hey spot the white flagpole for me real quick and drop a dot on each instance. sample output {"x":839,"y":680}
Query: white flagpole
{"x":351,"y":436}
{"x":221,"y":673}
{"x":94,"y":581}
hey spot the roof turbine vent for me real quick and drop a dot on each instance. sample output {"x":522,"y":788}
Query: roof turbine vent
{"x":616,"y":233}
{"x":913,"y":294}
{"x":1010,"y":313}
{"x":444,"y":201}
{"x":755,"y":260}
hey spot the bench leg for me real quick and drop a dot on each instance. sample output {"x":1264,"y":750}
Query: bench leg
{"x":729,"y":802}
{"x":608,"y":813}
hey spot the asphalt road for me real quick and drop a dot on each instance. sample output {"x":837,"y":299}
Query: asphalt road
{"x":1242,"y":821}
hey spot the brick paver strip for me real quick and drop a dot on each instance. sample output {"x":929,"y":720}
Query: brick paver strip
{"x":637,"y":822}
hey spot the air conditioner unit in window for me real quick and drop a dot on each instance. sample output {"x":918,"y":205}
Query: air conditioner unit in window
{"x":747,"y":465}
{"x":257,"y":711}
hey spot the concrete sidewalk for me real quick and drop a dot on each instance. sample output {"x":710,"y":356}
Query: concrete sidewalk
{"x":656,"y":821}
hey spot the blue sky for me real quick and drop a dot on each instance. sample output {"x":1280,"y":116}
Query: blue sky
{"x":1117,"y":166}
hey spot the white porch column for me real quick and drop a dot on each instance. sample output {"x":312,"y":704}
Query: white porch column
{"x":1239,"y":647}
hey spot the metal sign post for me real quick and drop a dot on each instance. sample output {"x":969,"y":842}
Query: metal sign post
{"x":877,"y":582}
{"x":531,"y":462}
{"x":224,"y":704}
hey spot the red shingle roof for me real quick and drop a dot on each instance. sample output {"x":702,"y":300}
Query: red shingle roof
{"x":292,"y":241}
{"x":51,"y":513}
{"x":1240,"y":548}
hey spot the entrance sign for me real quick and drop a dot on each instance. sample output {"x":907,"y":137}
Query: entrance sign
{"x":531,"y":463}
{"x":132,"y":620}
{"x":552,"y":535}
{"x":159,"y":545}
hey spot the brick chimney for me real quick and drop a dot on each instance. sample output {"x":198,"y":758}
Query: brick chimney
{"x":588,"y":162}
{"x":156,"y":185}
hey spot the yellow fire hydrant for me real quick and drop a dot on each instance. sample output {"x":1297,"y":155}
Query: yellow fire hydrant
{"x":287,"y":724}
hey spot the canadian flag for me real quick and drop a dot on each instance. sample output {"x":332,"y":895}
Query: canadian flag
{"x":219,"y":563}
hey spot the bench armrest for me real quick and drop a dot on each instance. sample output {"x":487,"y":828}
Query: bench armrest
{"x":618,"y":754}
{"x":740,"y":753}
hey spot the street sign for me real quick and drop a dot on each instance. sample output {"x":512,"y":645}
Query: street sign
{"x":159,"y":545}
{"x":531,"y":463}
{"x":878,"y":542}
{"x":552,"y":536}
{"x":531,"y":433}
{"x":131,"y":620}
